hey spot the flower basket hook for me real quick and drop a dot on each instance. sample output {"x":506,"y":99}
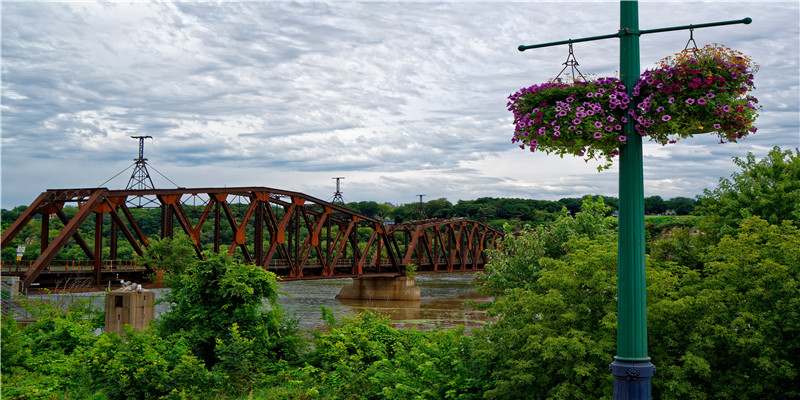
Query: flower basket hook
{"x":692,"y":42}
{"x":571,"y":63}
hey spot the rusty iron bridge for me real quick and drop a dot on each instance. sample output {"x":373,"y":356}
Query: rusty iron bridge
{"x":294,"y":235}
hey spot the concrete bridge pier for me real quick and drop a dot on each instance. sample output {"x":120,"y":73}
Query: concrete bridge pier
{"x":398,"y":288}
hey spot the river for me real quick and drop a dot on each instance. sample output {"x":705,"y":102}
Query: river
{"x":441,"y":306}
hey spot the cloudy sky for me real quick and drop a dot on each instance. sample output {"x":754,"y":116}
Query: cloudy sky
{"x":400,"y":98}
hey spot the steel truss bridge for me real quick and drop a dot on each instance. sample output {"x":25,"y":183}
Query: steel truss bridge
{"x":294,"y":235}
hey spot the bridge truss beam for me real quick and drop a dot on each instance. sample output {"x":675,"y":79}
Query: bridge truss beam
{"x":292,"y":234}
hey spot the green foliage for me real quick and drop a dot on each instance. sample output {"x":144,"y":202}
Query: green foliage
{"x":556,"y":336}
{"x":735,"y":333}
{"x":41,"y":361}
{"x":363,"y":358}
{"x":14,"y":353}
{"x":411,"y":270}
{"x":518,"y":263}
{"x":145,"y":366}
{"x":769,"y":188}
{"x":169,"y":256}
{"x":214,"y":294}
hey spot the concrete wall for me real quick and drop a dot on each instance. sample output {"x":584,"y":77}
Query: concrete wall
{"x":128,"y":307}
{"x":381,"y":288}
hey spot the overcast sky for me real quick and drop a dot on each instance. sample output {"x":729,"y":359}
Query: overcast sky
{"x":400,"y":98}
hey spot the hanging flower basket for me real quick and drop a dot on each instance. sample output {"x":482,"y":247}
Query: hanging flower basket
{"x":580,"y":118}
{"x":697,"y":92}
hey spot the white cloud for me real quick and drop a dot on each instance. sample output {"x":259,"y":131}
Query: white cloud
{"x":401,"y":98}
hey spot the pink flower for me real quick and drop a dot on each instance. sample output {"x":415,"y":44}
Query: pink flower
{"x":623,"y":138}
{"x":598,"y":135}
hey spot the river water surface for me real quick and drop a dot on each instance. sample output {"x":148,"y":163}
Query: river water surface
{"x":442,"y":304}
{"x":441,"y":307}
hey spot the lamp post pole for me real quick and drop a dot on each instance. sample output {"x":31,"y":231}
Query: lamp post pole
{"x":631,"y":368}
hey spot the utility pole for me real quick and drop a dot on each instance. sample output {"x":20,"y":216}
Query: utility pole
{"x":338,"y":195}
{"x":631,"y":368}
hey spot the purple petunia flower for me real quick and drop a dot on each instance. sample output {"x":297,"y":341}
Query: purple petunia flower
{"x":671,"y":100}
{"x":590,"y":94}
{"x":726,"y":108}
{"x":598,"y":124}
{"x":570,"y":99}
{"x":717,"y":126}
{"x":576,"y":121}
{"x":710,"y":95}
{"x":689,"y":101}
{"x":666,"y":118}
{"x":659,"y":109}
{"x":623,"y":138}
{"x":589,"y":112}
{"x":598,"y":135}
{"x":609,"y":128}
{"x":701,"y":101}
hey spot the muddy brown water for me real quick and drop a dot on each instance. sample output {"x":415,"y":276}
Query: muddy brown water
{"x":442,"y":305}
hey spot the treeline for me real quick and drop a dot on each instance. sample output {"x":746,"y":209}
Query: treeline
{"x":491,"y":208}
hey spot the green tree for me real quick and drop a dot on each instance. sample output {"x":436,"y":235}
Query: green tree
{"x":212,"y":295}
{"x":681,"y":205}
{"x":735,"y":332}
{"x":518,"y":263}
{"x":654,"y":205}
{"x":555,"y":338}
{"x":769,"y":188}
{"x":439,"y":208}
{"x":169,"y":255}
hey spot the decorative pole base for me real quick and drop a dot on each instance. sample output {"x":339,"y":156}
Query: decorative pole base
{"x":632,"y":379}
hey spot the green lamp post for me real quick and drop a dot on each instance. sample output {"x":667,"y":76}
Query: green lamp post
{"x":631,"y":368}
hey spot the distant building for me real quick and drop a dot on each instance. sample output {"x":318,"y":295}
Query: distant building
{"x":670,"y":212}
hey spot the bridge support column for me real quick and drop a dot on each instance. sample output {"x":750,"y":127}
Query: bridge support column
{"x":381,"y":288}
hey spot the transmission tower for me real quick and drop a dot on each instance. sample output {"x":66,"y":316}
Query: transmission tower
{"x":140,"y":178}
{"x":338,"y":195}
{"x":421,"y":208}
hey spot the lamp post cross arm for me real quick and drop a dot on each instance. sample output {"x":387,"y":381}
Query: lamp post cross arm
{"x":626,"y":31}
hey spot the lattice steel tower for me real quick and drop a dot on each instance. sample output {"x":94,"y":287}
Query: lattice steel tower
{"x":338,"y":195}
{"x":140,"y":178}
